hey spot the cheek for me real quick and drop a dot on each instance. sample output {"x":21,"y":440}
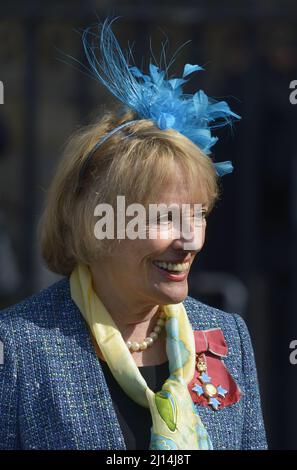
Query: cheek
{"x":135,"y":250}
{"x":161,"y":235}
{"x":160,"y":240}
{"x":126,"y":255}
{"x":143,"y":250}
{"x":200,"y":240}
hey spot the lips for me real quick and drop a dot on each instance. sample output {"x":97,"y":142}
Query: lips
{"x":172,"y":267}
{"x":172,"y":275}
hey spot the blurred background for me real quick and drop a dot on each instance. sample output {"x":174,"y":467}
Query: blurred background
{"x":249,"y":51}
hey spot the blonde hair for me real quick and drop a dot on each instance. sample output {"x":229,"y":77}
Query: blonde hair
{"x":134,"y":162}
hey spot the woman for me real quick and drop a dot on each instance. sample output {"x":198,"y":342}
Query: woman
{"x":116,"y":355}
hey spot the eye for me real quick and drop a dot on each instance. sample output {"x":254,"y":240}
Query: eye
{"x":164,"y":218}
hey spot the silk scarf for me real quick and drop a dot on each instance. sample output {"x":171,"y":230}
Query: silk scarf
{"x":175,"y":421}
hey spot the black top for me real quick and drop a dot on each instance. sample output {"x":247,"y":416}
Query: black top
{"x":135,"y":420}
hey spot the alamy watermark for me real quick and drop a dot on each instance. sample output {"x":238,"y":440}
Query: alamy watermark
{"x":1,"y":93}
{"x":293,"y":353}
{"x":158,"y":221}
{"x":293,"y":94}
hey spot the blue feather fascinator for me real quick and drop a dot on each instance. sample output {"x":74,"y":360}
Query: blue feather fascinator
{"x":155,"y":95}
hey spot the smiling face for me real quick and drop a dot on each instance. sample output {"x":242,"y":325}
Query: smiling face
{"x":139,"y":268}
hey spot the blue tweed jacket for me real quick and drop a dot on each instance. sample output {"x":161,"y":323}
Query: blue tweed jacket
{"x":53,"y":393}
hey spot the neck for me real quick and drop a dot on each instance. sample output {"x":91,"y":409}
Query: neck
{"x":134,"y":319}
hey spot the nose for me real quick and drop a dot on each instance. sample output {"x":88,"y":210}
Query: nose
{"x":189,"y":235}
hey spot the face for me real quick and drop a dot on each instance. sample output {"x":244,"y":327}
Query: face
{"x":140,"y":268}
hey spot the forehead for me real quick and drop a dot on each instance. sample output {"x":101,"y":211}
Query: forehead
{"x":178,"y":189}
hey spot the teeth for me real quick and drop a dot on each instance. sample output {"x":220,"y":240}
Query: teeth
{"x":179,"y":267}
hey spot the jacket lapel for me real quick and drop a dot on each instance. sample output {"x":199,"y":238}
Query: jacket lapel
{"x":95,"y":396}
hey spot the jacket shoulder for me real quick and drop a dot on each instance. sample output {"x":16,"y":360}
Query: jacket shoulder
{"x":205,"y":316}
{"x":36,"y":305}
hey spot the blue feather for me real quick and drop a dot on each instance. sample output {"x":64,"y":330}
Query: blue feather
{"x":154,"y":95}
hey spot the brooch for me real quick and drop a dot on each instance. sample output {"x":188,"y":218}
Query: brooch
{"x":212,"y":384}
{"x":206,"y":387}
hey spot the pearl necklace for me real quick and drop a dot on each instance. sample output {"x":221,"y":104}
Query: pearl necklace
{"x":134,"y":346}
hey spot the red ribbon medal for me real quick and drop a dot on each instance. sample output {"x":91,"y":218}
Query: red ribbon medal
{"x":212,"y":384}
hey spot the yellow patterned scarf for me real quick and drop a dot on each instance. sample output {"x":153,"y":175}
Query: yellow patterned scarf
{"x":175,"y":422}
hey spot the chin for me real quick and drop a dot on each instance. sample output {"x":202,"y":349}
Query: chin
{"x":174,"y":294}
